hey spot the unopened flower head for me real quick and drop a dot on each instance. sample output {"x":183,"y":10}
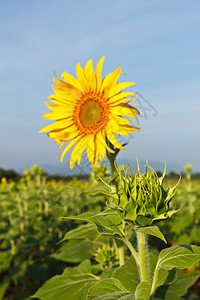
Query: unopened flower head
{"x":142,"y":198}
{"x":88,"y":112}
{"x":106,"y":255}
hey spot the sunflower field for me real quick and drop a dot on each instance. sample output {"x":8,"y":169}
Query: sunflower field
{"x":98,"y":238}
{"x":33,"y":224}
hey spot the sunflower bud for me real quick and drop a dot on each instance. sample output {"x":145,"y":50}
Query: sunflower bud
{"x":142,"y":198}
{"x":106,"y":255}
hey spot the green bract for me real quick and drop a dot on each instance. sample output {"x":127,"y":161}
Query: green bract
{"x":142,"y":198}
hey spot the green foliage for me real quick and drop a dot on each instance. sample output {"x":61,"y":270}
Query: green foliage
{"x":37,"y":215}
{"x":129,"y":281}
{"x":184,"y":227}
{"x":72,"y":284}
{"x":31,"y":227}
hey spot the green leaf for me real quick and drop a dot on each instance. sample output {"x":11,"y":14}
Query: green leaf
{"x":142,"y":291}
{"x":166,"y":277}
{"x":176,"y":289}
{"x":99,"y":188}
{"x":106,"y":223}
{"x":82,"y":232}
{"x":84,"y":267}
{"x":76,"y":251}
{"x":109,"y":289}
{"x":64,"y":287}
{"x":181,"y":257}
{"x":107,"y":273}
{"x":128,"y":275}
{"x":152,"y":230}
{"x":83,"y":217}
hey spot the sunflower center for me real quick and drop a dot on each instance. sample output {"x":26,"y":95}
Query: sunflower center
{"x":91,"y":113}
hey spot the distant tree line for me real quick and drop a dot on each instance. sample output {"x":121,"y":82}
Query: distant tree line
{"x":13,"y":175}
{"x":9,"y":174}
{"x":176,"y":175}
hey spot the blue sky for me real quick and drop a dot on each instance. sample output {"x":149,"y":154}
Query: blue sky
{"x":156,"y":42}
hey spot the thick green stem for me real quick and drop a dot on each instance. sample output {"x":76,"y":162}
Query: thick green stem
{"x":142,"y":249}
{"x":133,"y":251}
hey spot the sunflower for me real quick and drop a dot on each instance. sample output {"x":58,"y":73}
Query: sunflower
{"x":88,"y":112}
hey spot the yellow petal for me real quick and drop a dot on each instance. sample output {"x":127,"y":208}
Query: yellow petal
{"x":63,"y":84}
{"x":98,"y":72}
{"x":66,"y":134}
{"x":118,"y":128}
{"x":118,"y":88}
{"x":110,"y":80}
{"x":58,"y":141}
{"x":90,"y":148}
{"x":62,"y":145}
{"x":57,"y":115}
{"x":60,"y":124}
{"x":89,"y":74}
{"x":105,"y":143}
{"x":59,"y":107}
{"x":120,"y":96}
{"x":60,"y":100}
{"x":71,"y":80}
{"x":125,"y":110}
{"x":120,"y":120}
{"x":77,"y":151}
{"x":66,"y":94}
{"x":101,"y":149}
{"x":82,"y":79}
{"x":112,"y":139}
{"x":71,"y":144}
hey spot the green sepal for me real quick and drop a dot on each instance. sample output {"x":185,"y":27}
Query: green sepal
{"x":142,"y":220}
